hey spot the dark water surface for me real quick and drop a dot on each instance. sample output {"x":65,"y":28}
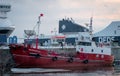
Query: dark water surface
{"x":106,"y":71}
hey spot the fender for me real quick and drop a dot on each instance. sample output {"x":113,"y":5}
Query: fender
{"x":70,"y":60}
{"x":54,"y":58}
{"x":85,"y":61}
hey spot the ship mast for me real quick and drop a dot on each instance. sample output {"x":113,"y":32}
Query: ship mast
{"x":90,"y":27}
{"x":37,"y":40}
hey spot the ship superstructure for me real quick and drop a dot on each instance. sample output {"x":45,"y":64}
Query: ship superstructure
{"x":6,"y":27}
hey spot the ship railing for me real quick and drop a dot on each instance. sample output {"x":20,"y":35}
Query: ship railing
{"x":66,"y":46}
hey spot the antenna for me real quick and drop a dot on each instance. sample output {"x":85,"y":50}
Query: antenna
{"x":29,"y":33}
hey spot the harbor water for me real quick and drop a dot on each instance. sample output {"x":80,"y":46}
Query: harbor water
{"x":106,"y":71}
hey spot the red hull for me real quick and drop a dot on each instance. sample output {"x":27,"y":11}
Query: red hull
{"x":30,"y":57}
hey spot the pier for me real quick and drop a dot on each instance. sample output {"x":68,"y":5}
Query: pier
{"x":6,"y":61}
{"x":116,"y":53}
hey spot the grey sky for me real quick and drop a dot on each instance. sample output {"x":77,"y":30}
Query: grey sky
{"x":24,"y":13}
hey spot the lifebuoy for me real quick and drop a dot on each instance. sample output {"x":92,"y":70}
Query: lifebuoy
{"x":54,"y":58}
{"x":70,"y":60}
{"x":85,"y":61}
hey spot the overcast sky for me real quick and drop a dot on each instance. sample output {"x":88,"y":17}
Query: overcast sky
{"x":24,"y":13}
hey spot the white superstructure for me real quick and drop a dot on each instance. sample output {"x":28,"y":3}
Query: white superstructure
{"x":6,"y":27}
{"x":86,"y":45}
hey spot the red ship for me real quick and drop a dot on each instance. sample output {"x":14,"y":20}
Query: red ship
{"x":86,"y":55}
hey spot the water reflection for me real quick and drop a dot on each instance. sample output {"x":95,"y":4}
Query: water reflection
{"x":103,"y":71}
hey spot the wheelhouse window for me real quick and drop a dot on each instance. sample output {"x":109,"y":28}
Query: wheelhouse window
{"x":84,"y":43}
